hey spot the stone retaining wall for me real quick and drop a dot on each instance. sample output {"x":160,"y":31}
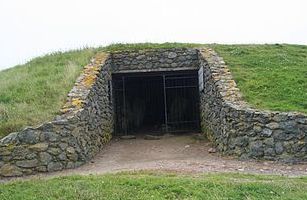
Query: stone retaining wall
{"x":86,"y":122}
{"x":70,"y":139}
{"x":155,"y":60}
{"x":237,"y":129}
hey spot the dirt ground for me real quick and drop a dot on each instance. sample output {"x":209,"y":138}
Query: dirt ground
{"x":176,"y":153}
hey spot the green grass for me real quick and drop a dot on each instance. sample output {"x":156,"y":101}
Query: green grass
{"x":34,"y":92}
{"x":270,"y":77}
{"x":142,"y":46}
{"x":154,"y":185}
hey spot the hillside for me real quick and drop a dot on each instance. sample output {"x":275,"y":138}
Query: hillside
{"x":270,"y":77}
{"x":34,"y":92}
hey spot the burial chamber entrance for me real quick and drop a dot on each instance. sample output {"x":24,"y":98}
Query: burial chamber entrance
{"x":153,"y":91}
{"x":156,"y":102}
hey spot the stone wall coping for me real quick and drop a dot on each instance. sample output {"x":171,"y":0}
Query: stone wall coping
{"x":76,"y":98}
{"x":150,"y":50}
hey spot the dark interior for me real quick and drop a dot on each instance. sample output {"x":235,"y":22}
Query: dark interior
{"x":155,"y":103}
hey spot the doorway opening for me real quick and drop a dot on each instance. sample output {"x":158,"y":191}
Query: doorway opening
{"x":156,"y":102}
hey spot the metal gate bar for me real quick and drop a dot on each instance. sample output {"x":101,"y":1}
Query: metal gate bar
{"x":165,"y":105}
{"x":181,"y":87}
{"x":177,"y":88}
{"x":125,"y":106}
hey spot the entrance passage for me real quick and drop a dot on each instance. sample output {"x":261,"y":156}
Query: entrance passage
{"x":154,"y":102}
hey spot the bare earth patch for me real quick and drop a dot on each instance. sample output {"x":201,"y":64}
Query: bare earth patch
{"x":177,"y":153}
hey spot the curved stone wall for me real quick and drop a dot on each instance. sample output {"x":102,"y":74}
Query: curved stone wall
{"x":86,"y":122}
{"x":70,"y":139}
{"x":236,"y":128}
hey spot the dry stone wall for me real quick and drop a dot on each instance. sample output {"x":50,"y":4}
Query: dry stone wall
{"x":236,"y":128}
{"x":155,"y":60}
{"x":72,"y":138}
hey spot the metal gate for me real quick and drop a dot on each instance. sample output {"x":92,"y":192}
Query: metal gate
{"x":156,"y":102}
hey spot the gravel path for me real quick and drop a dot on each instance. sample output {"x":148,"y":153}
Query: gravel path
{"x":183,"y":154}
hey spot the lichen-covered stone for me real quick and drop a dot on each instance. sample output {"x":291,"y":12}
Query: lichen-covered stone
{"x":54,"y":151}
{"x":45,"y":158}
{"x":5,"y":151}
{"x":8,"y":170}
{"x":63,"y":145}
{"x":20,"y":152}
{"x":256,"y":149}
{"x":62,"y":156}
{"x":273,"y":125}
{"x":28,"y":136}
{"x":267,"y":132}
{"x":31,"y":156}
{"x":41,"y":169}
{"x":54,"y":166}
{"x":9,"y":139}
{"x":50,"y":137}
{"x":39,"y":147}
{"x":27,"y":163}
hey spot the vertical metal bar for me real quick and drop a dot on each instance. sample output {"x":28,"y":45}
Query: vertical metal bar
{"x":197,"y":108}
{"x":113,"y":106}
{"x":125,"y":109}
{"x":165,"y":104}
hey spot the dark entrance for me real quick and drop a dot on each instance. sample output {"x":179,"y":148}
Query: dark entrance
{"x":154,"y":102}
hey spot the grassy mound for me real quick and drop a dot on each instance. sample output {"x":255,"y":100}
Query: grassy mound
{"x":272,"y":77}
{"x":269,"y":76}
{"x":158,"y":186}
{"x":34,"y":92}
